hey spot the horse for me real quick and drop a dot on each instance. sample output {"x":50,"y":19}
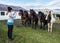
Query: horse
{"x":42,"y":20}
{"x":27,"y":18}
{"x":50,"y":20}
{"x":22,"y":16}
{"x":34,"y":18}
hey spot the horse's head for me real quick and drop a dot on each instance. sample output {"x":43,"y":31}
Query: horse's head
{"x":49,"y":17}
{"x":33,"y":14}
{"x":26,"y":14}
{"x":21,"y":12}
{"x":39,"y":14}
{"x":31,"y":11}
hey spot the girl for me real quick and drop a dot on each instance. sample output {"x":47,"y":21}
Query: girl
{"x":10,"y":22}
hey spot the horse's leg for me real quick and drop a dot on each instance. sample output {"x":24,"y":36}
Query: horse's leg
{"x":40,"y":25}
{"x":48,"y":27}
{"x":22,"y":22}
{"x":29,"y":22}
{"x":44,"y":26}
{"x":51,"y":27}
{"x":25,"y":23}
{"x":32,"y":24}
{"x":36,"y":24}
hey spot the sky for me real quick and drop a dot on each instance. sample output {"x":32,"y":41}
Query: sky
{"x":33,"y":4}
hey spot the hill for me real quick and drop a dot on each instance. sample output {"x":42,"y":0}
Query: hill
{"x":15,"y":8}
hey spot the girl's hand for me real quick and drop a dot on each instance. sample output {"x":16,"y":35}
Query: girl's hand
{"x":15,"y":11}
{"x":7,"y":13}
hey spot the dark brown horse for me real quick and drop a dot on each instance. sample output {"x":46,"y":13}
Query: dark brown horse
{"x":34,"y":18}
{"x":42,"y":19}
{"x":22,"y":16}
{"x":27,"y":18}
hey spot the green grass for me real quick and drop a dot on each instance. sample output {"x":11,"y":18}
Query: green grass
{"x":29,"y":35}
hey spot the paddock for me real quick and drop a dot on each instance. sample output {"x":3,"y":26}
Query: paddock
{"x":23,"y":34}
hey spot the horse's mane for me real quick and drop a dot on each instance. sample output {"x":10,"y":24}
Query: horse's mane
{"x":26,"y":14}
{"x":49,"y":17}
{"x":33,"y":12}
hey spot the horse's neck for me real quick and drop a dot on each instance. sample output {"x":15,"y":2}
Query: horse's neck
{"x":46,"y":17}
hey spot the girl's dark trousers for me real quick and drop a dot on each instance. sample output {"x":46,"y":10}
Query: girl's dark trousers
{"x":10,"y":29}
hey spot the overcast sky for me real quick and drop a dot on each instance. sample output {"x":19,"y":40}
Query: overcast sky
{"x":35,"y":4}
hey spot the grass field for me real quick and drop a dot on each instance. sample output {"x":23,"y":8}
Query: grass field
{"x":29,"y":35}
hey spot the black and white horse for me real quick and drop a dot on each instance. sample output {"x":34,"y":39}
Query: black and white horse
{"x":50,"y":20}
